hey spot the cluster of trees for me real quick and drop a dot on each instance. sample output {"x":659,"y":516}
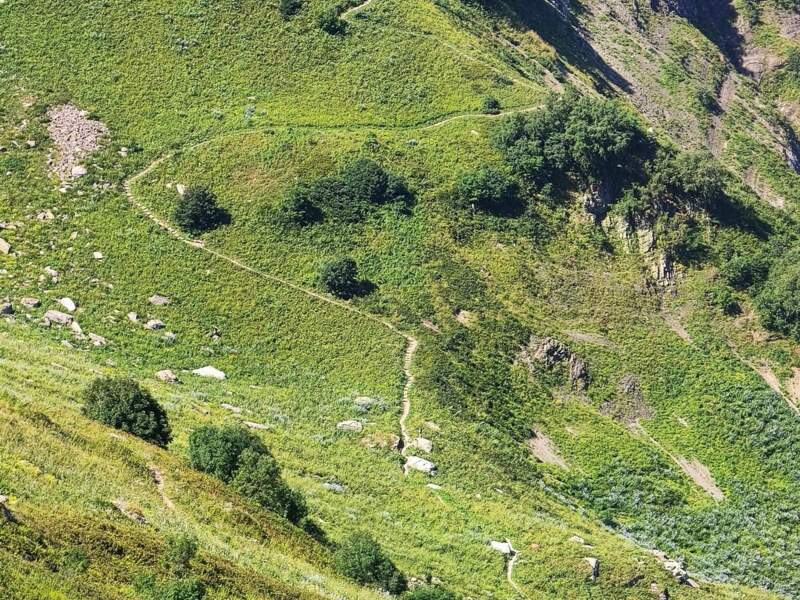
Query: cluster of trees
{"x":348,"y":196}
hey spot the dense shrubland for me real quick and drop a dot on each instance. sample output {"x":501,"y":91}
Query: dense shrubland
{"x":361,"y":558}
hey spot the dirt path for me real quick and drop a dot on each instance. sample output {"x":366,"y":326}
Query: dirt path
{"x":512,"y":562}
{"x":408,"y":359}
{"x":346,"y":15}
{"x":766,"y":373}
{"x":158,"y":479}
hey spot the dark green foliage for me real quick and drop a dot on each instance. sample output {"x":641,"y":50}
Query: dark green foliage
{"x":258,"y":477}
{"x":197,"y":211}
{"x":778,"y":303}
{"x":491,"y":105}
{"x":216,"y":450}
{"x":287,"y":8}
{"x":362,"y":559}
{"x":587,"y":139}
{"x":181,"y":549}
{"x":340,"y":278}
{"x":330,"y":22}
{"x":349,"y":196}
{"x":429,"y":592}
{"x":744,"y":271}
{"x":238,"y":457}
{"x":125,"y":405}
{"x":489,"y":190}
{"x":189,"y":588}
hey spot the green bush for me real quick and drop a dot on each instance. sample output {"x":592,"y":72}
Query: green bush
{"x":361,"y":558}
{"x":125,"y":405}
{"x":340,"y":278}
{"x":259,"y":478}
{"x":216,"y":450}
{"x":299,"y":208}
{"x":429,"y":592}
{"x":743,"y":271}
{"x":491,"y":105}
{"x":778,"y":302}
{"x":181,"y":549}
{"x":287,"y":8}
{"x":330,"y":22}
{"x":488,"y":189}
{"x":189,"y":588}
{"x":197,"y":211}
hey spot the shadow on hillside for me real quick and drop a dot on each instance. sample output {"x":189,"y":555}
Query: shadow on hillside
{"x":562,"y":31}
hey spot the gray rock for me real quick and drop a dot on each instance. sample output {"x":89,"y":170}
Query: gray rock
{"x":210,"y":372}
{"x":595,"y":566}
{"x":6,"y":308}
{"x":336,"y":488}
{"x":252,"y":425}
{"x":231,"y":407}
{"x":68,"y":304}
{"x":420,"y":464}
{"x":158,"y":300}
{"x":98,"y":340}
{"x":350,"y":425}
{"x":51,"y":271}
{"x":5,"y":247}
{"x":167,"y":376}
{"x":154,"y":324}
{"x":78,"y":171}
{"x":501,"y":547}
{"x":30,"y":302}
{"x":57,"y":317}
{"x":423,"y":444}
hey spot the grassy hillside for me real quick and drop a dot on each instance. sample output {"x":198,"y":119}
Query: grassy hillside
{"x":682,"y":442}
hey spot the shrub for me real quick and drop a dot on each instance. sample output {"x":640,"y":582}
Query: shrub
{"x":330,"y":22}
{"x":216,"y":450}
{"x":743,"y":271}
{"x":429,"y":592}
{"x":361,"y":558}
{"x":178,"y":589}
{"x":197,"y":211}
{"x":778,"y":303}
{"x":340,"y":278}
{"x":287,"y":8}
{"x":125,"y":405}
{"x":487,"y":189}
{"x":299,"y":209}
{"x":259,"y":478}
{"x":491,"y":105}
{"x":181,"y":549}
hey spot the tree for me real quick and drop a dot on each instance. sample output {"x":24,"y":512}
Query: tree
{"x":258,"y":477}
{"x":125,"y":405}
{"x":330,"y":22}
{"x":491,"y":105}
{"x":217,"y":450}
{"x":778,"y":302}
{"x":299,"y":208}
{"x":340,"y":278}
{"x":288,"y":8}
{"x":197,"y":211}
{"x":487,"y":189}
{"x":361,"y":558}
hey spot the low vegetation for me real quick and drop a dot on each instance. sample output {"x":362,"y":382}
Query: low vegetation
{"x":361,"y":558}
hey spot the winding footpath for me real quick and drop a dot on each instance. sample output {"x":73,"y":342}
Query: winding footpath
{"x":412,"y":343}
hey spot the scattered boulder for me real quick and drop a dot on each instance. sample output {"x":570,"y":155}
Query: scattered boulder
{"x":5,"y":247}
{"x":167,"y":376}
{"x":629,"y":406}
{"x":154,"y":324}
{"x":5,"y":513}
{"x":97,"y":255}
{"x":433,"y":486}
{"x":336,"y":488}
{"x":365,"y":402}
{"x":381,"y":440}
{"x":234,"y":409}
{"x":57,"y":317}
{"x":170,"y":337}
{"x":98,"y":340}
{"x":158,"y":300}
{"x":252,"y":425}
{"x":210,"y":372}
{"x":30,"y":302}
{"x":68,"y":304}
{"x":502,"y":547}
{"x":594,"y":564}
{"x":133,"y":317}
{"x":422,"y":443}
{"x":421,"y":465}
{"x":6,"y":308}
{"x":75,"y":136}
{"x":550,"y":352}
{"x":45,"y":215}
{"x":51,"y":271}
{"x":350,"y":425}
{"x":76,"y":328}
{"x":180,"y":188}
{"x":78,"y":171}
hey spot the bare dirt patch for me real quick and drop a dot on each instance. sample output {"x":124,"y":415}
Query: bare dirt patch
{"x":700,"y":474}
{"x":589,"y":338}
{"x":675,"y":325}
{"x":75,"y":136}
{"x":543,"y":449}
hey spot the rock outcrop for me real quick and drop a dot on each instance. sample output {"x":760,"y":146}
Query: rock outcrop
{"x":550,"y":353}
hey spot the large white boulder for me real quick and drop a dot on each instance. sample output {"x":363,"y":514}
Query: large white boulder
{"x":209,"y":372}
{"x":351,"y":425}
{"x":68,"y":304}
{"x":58,"y":317}
{"x":421,"y":465}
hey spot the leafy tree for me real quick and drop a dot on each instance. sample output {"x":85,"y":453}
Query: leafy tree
{"x":778,"y":302}
{"x":366,"y":181}
{"x":340,"y":278}
{"x":361,"y":558}
{"x":258,"y":477}
{"x":488,"y":189}
{"x":299,"y":208}
{"x":197,"y":211}
{"x":288,"y":8}
{"x":217,"y":450}
{"x":429,"y":592}
{"x":330,"y":22}
{"x":744,"y":271}
{"x":125,"y":405}
{"x":491,"y":105}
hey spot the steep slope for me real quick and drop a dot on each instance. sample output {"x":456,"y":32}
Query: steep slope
{"x":671,"y":441}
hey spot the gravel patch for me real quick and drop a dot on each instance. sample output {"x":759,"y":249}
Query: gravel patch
{"x":75,"y":136}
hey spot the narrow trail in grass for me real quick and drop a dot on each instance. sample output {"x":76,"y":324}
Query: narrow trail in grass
{"x":158,"y":479}
{"x":412,"y":343}
{"x":512,"y":562}
{"x":768,"y":375}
